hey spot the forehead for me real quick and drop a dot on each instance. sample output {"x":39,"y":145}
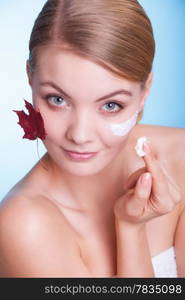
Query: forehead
{"x":69,"y":69}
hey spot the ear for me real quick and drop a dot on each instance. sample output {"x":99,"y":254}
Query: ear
{"x":149,"y":81}
{"x":146,"y":90}
{"x":29,"y":72}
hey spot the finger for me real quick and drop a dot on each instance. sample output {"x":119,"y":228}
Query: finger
{"x":151,"y":161}
{"x":143,"y":188}
{"x":133,"y":178}
{"x":139,"y":196}
{"x":160,"y":184}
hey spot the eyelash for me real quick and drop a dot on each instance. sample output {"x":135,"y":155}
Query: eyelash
{"x":121,"y":106}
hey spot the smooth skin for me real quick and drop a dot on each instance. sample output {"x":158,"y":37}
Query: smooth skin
{"x":94,"y":219}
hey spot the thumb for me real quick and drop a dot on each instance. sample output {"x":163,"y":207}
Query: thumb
{"x":143,"y":186}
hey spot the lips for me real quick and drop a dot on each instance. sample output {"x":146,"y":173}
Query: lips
{"x":79,"y":155}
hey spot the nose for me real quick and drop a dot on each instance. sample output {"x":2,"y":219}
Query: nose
{"x":80,"y":129}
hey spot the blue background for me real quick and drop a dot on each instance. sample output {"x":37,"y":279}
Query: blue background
{"x":165,"y":105}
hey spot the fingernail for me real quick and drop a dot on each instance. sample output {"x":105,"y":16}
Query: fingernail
{"x":145,"y":178}
{"x":146,"y":148}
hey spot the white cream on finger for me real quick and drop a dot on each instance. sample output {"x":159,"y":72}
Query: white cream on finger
{"x":139,"y":146}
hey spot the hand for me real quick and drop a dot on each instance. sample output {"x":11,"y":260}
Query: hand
{"x":147,"y":194}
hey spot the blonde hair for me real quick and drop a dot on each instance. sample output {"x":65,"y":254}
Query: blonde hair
{"x":116,"y":34}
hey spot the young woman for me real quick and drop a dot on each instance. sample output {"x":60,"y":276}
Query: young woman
{"x":91,"y":207}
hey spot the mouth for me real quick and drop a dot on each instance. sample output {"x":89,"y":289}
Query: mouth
{"x":79,"y":156}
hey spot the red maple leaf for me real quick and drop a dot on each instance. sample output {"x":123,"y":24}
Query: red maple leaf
{"x":32,"y":123}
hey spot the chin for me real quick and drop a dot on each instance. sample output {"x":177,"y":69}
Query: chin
{"x":84,"y":170}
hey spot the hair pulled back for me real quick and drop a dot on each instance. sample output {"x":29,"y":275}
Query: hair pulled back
{"x":116,"y":34}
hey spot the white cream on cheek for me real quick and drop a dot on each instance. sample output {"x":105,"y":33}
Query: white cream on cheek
{"x":122,"y":129}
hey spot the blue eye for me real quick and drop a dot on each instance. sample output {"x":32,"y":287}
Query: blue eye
{"x":55,"y":100}
{"x":113,"y":106}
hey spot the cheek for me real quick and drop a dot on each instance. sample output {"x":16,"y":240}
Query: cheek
{"x":111,"y":140}
{"x":116,"y":142}
{"x":122,"y":129}
{"x":117,"y":133}
{"x":52,"y":124}
{"x":53,"y":129}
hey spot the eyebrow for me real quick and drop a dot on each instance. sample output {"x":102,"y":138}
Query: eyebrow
{"x":122,"y":91}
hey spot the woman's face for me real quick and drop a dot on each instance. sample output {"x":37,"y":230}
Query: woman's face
{"x":73,"y":97}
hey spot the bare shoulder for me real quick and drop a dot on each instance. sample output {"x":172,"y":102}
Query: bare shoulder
{"x":169,"y":144}
{"x":26,"y":211}
{"x":159,"y":129}
{"x":163,"y":136}
{"x":36,"y":241}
